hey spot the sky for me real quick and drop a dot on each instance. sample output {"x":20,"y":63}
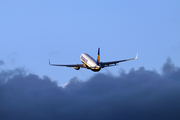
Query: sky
{"x":32,"y":32}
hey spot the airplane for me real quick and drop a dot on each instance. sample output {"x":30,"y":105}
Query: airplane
{"x":94,"y":65}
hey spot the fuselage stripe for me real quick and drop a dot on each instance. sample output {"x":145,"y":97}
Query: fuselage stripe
{"x":90,"y":66}
{"x":85,"y":63}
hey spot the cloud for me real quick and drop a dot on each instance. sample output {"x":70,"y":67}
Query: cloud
{"x":1,"y":62}
{"x":140,"y":94}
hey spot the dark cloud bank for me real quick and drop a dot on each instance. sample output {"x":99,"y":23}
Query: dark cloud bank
{"x":138,"y":95}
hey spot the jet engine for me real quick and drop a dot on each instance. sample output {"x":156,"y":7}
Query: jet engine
{"x":77,"y":68}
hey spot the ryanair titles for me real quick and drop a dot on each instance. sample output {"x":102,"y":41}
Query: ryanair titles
{"x":83,"y":59}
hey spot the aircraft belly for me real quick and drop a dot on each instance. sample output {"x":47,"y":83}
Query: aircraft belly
{"x":91,"y":63}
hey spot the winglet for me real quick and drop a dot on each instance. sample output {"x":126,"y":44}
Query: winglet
{"x":136,"y":55}
{"x":49,"y":62}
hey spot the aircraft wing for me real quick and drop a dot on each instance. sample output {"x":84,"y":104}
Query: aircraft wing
{"x":72,"y":65}
{"x":113,"y":63}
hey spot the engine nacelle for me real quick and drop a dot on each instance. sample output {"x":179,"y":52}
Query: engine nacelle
{"x":77,"y":68}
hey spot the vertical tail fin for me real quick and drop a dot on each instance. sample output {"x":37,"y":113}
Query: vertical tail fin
{"x":98,"y":55}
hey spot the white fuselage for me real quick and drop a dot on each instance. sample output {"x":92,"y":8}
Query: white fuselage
{"x":89,"y":62}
